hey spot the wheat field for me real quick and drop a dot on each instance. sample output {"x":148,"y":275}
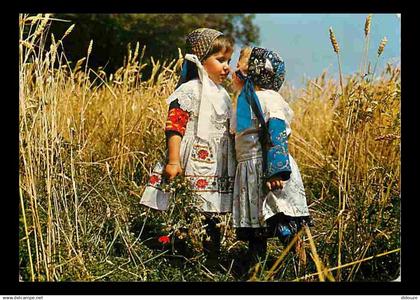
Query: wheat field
{"x":88,"y":140}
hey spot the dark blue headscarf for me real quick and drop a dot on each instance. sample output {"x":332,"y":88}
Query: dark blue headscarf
{"x":265,"y":69}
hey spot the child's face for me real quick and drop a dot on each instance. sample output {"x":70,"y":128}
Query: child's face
{"x":242,"y":66}
{"x":217,"y":65}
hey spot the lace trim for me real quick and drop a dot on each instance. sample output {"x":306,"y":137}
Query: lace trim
{"x":188,"y":96}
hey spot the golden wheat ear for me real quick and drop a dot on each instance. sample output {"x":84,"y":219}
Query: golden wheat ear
{"x":333,"y":40}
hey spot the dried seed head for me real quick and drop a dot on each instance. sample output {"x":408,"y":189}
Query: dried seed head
{"x":26,"y":44}
{"x":129,"y":59}
{"x":53,"y":46}
{"x":40,"y":28}
{"x":68,"y":31}
{"x":34,"y":19}
{"x":367,"y":24}
{"x":52,"y":38}
{"x":90,"y":47}
{"x":136,"y":52}
{"x":382,"y":46}
{"x":334,"y":41}
{"x":387,"y":137}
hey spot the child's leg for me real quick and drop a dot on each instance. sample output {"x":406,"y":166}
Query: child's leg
{"x":257,"y":249}
{"x":212,"y":246}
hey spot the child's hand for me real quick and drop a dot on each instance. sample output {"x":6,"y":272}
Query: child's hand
{"x":275,"y":183}
{"x":172,"y":170}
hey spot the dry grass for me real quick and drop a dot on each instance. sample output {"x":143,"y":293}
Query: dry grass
{"x":88,"y":141}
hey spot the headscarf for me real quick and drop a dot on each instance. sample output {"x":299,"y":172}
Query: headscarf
{"x":200,"y":40}
{"x":199,"y":43}
{"x":265,"y":69}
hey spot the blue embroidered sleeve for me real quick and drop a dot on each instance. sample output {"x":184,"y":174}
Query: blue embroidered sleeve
{"x":278,"y":163}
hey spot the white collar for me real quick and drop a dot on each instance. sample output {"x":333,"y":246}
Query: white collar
{"x":211,"y":95}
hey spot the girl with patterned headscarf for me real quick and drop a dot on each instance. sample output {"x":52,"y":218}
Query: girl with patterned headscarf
{"x":269,"y":197}
{"x":197,"y":131}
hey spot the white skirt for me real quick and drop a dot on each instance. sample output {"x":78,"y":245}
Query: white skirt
{"x":252,"y":207}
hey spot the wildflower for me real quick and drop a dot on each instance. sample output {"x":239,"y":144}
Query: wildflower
{"x":164,"y":239}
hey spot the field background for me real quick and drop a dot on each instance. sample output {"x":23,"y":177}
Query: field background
{"x":88,"y":140}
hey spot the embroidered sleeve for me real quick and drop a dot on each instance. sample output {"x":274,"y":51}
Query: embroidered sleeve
{"x":188,"y":96}
{"x":177,"y":120}
{"x":278,"y":163}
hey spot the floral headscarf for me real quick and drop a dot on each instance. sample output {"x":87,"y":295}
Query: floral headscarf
{"x":265,"y":69}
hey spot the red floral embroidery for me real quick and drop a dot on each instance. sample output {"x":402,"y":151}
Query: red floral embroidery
{"x":202,"y":154}
{"x":154,"y":179}
{"x":177,"y":120}
{"x":201,"y":183}
{"x":164,"y":239}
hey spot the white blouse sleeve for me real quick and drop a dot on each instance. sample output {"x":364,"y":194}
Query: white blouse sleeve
{"x":274,"y":106}
{"x":188,"y":96}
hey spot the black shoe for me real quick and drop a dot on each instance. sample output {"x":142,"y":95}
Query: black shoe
{"x":212,"y":241}
{"x":257,"y":250}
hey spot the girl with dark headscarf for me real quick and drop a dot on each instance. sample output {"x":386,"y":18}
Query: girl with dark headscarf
{"x":269,"y":197}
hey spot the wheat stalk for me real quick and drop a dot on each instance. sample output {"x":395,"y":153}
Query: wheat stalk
{"x":367,"y":24}
{"x":382,"y":45}
{"x":366,"y":44}
{"x":41,"y":26}
{"x":336,"y":48}
{"x":68,"y":31}
{"x":89,"y":48}
{"x":333,"y":40}
{"x":348,"y":264}
{"x":381,"y":48}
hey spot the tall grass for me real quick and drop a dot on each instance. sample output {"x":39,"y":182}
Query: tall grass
{"x":88,"y":141}
{"x":81,"y":132}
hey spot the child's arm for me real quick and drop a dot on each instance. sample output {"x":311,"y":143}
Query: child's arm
{"x":173,"y":167}
{"x":175,"y":128}
{"x":278,"y":164}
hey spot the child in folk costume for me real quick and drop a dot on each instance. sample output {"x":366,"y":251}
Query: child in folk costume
{"x":197,"y":132}
{"x":269,"y":197}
